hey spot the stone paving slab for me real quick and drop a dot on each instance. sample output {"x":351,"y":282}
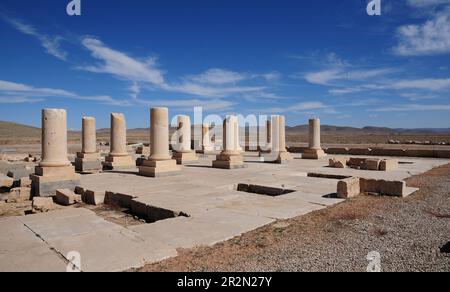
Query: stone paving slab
{"x":214,"y":226}
{"x":22,"y":251}
{"x":218,"y":212}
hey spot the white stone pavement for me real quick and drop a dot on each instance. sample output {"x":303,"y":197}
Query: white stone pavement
{"x":217,"y":211}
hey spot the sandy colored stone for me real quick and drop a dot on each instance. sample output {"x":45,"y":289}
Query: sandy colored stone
{"x":89,"y":136}
{"x":183,"y":153}
{"x":54,"y":138}
{"x":389,"y":165}
{"x":338,"y":162}
{"x":18,"y":195}
{"x":66,"y":197}
{"x":160,"y":162}
{"x":25,"y":182}
{"x":231,"y":156}
{"x":360,"y":151}
{"x":383,"y":187}
{"x":207,"y":146}
{"x":42,"y":204}
{"x":94,"y":197}
{"x":5,"y":181}
{"x":348,"y":188}
{"x":371,"y":164}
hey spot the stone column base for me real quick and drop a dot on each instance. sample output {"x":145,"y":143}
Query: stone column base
{"x":119,"y":162}
{"x":277,"y":157}
{"x":47,"y":180}
{"x":185,"y":158}
{"x":313,"y":154}
{"x":156,"y":169}
{"x":229,"y":162}
{"x":88,"y":163}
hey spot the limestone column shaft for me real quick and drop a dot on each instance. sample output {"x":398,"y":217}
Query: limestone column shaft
{"x":282,"y":130}
{"x":314,"y":134}
{"x":159,"y":134}
{"x":89,"y":139}
{"x":269,"y":134}
{"x":118,"y":142}
{"x":206,"y":139}
{"x":230,"y":136}
{"x":276,"y":135}
{"x":54,"y":138}
{"x":184,"y":134}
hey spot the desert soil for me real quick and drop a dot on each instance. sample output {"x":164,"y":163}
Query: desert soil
{"x":411,"y":234}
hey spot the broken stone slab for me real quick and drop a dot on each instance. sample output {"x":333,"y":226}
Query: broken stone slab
{"x":389,"y":165}
{"x":337,"y":151}
{"x":19,"y":172}
{"x":360,"y":151}
{"x":6,"y":182}
{"x":383,"y":187}
{"x":18,"y":195}
{"x":79,"y":191}
{"x":43,"y":204}
{"x":338,"y":162}
{"x":25,"y":182}
{"x":388,"y":152}
{"x":94,"y":197}
{"x":66,"y":197}
{"x":349,"y":188}
{"x":356,"y":162}
{"x":371,"y":164}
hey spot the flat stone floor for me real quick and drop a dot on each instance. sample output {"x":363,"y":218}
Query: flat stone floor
{"x":217,"y":211}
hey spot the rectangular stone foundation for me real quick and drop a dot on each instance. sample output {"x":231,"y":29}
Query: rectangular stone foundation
{"x":88,"y":165}
{"x":229,"y":162}
{"x":117,"y":163}
{"x":46,"y":186}
{"x":159,"y":168}
{"x":313,"y":154}
{"x":276,"y":157}
{"x":185,"y":158}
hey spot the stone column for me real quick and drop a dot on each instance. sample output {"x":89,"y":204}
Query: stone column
{"x":55,"y":170}
{"x":315,"y":149}
{"x":118,"y":157}
{"x":275,"y":134}
{"x":160,"y":162}
{"x":89,"y":139}
{"x":184,"y":154}
{"x":118,"y":140}
{"x":231,"y":156}
{"x":88,"y":160}
{"x":314,"y":134}
{"x":207,"y":146}
{"x":278,"y":153}
{"x":54,"y":138}
{"x":268,"y":141}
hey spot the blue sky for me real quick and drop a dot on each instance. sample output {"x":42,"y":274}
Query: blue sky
{"x":301,"y":59}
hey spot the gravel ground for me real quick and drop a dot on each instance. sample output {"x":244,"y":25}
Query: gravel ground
{"x":411,"y":234}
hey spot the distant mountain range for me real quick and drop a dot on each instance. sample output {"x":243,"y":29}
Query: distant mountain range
{"x":9,"y":129}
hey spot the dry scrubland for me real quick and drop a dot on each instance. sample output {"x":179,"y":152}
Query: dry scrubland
{"x":15,"y":134}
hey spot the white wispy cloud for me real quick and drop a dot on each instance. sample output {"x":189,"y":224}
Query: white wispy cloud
{"x":23,"y":93}
{"x":52,"y":44}
{"x":426,"y":3}
{"x":121,"y":65}
{"x":426,"y":39}
{"x":434,"y":84}
{"x":328,"y":77}
{"x":218,"y":76}
{"x":18,"y":99}
{"x":298,"y":107}
{"x":414,"y":108}
{"x":214,"y":83}
{"x":188,"y":104}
